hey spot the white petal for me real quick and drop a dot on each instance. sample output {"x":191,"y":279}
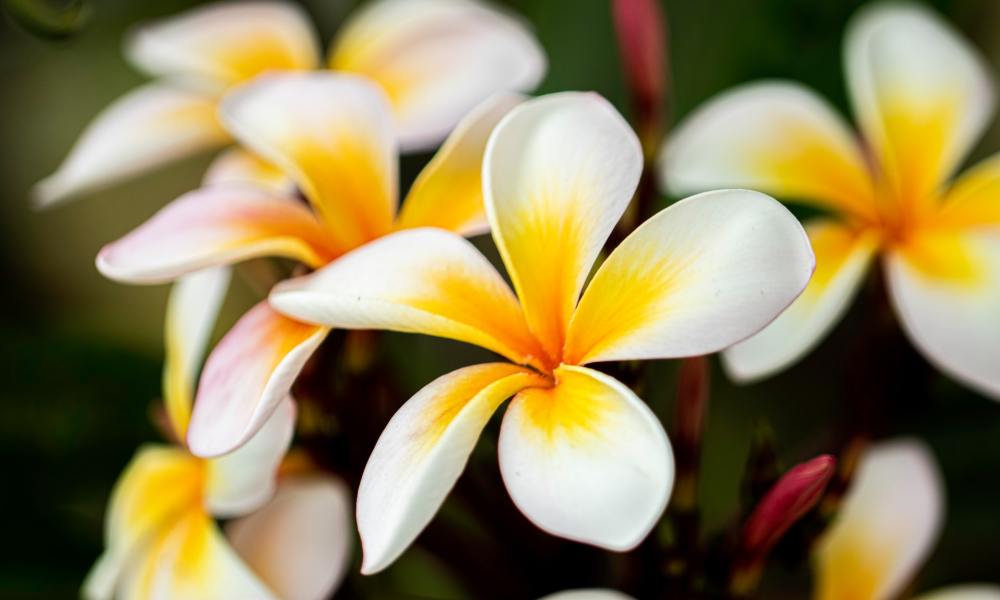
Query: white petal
{"x":243,"y":480}
{"x":143,"y":129}
{"x":964,"y":592}
{"x":586,"y":460}
{"x":248,"y":375}
{"x":776,"y":137}
{"x":418,"y":280}
{"x":842,"y":259}
{"x":697,"y":277}
{"x":559,"y":171}
{"x":952,"y":315}
{"x":300,"y":542}
{"x":886,"y":527}
{"x":192,"y":310}
{"x":437,"y":59}
{"x":422,"y":452}
{"x":922,"y":93}
{"x":588,"y":594}
{"x":332,"y":134}
{"x":225,"y":43}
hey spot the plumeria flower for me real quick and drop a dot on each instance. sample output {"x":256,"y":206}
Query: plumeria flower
{"x":332,"y":135}
{"x":162,"y":540}
{"x":436,"y":60}
{"x":884,"y":531}
{"x":922,"y":97}
{"x":581,"y":455}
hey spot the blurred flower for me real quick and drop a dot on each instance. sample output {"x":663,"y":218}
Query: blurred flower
{"x":436,"y":60}
{"x":581,"y":455}
{"x":161,"y":538}
{"x":885,"y":529}
{"x":332,"y":134}
{"x":922,"y":97}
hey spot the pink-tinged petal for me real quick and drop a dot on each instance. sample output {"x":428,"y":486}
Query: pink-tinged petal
{"x":300,"y":542}
{"x":158,"y":485}
{"x":192,"y":310}
{"x":332,"y":134}
{"x":144,"y":129}
{"x":964,"y":592}
{"x":425,"y":281}
{"x":225,"y":43}
{"x":697,"y":277}
{"x":586,"y":460}
{"x":559,"y":172}
{"x":776,"y":137}
{"x":243,"y":480}
{"x":191,"y":559}
{"x":247,"y":375}
{"x":843,"y":255}
{"x":422,"y":452}
{"x":945,"y":285}
{"x":212,"y":226}
{"x":886,"y":527}
{"x":448,"y":193}
{"x":237,"y":165}
{"x":436,"y":60}
{"x":922,"y":94}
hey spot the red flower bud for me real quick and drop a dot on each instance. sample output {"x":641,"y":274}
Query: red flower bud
{"x":795,"y":494}
{"x":640,"y":28}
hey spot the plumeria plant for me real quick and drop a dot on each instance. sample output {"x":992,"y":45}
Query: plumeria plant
{"x":536,"y":233}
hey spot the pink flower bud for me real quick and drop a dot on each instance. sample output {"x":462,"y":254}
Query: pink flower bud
{"x":795,"y":494}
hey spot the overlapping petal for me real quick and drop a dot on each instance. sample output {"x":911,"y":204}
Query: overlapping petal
{"x":697,"y":277}
{"x":243,"y":480}
{"x":423,"y":450}
{"x":192,"y":309}
{"x":776,"y":137}
{"x":420,"y":281}
{"x":586,"y":459}
{"x":843,"y":255}
{"x":246,"y":377}
{"x":236,"y":165}
{"x":921,"y":93}
{"x":299,"y":544}
{"x":215,"y":225}
{"x":143,"y":129}
{"x":972,"y":201}
{"x":222,"y":44}
{"x":436,"y":60}
{"x":333,"y":135}
{"x":886,"y":527}
{"x":192,"y":559}
{"x":559,"y":172}
{"x":945,"y":285}
{"x":448,"y":193}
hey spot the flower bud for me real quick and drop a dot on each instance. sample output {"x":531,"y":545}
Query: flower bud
{"x":639,"y":26}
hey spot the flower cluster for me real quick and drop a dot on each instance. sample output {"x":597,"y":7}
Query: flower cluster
{"x":311,"y":177}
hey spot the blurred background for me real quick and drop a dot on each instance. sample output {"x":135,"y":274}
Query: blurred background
{"x":81,"y":355}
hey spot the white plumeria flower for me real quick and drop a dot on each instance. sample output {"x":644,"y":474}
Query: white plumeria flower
{"x":922,"y":96}
{"x":886,"y":528}
{"x":332,"y":135}
{"x":581,"y":455}
{"x":161,"y":537}
{"x":436,"y":60}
